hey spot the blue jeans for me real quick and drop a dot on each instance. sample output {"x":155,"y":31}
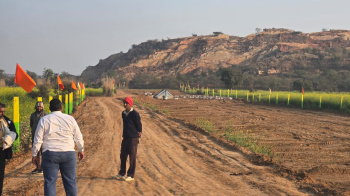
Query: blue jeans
{"x":66,"y":162}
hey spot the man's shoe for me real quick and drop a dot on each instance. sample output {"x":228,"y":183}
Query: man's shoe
{"x":118,"y":177}
{"x":129,"y":178}
{"x":35,"y":171}
{"x":40,"y":171}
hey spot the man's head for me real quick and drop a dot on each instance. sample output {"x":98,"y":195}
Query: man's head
{"x":39,"y":106}
{"x":55,"y":105}
{"x":2,"y":109}
{"x":128,"y":103}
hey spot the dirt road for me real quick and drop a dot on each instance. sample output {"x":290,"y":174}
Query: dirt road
{"x":173,"y":158}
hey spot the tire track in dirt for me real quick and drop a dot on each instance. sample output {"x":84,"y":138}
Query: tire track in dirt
{"x":173,"y":159}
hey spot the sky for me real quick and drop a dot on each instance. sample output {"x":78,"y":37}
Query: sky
{"x":69,"y":35}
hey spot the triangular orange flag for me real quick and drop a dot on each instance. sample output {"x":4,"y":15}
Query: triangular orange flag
{"x":73,"y":86}
{"x":24,"y":80}
{"x":60,"y":82}
{"x":81,"y":85}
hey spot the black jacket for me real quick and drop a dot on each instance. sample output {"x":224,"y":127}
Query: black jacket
{"x":132,"y":124}
{"x":11,"y":126}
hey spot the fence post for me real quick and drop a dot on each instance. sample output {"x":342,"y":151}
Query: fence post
{"x":66,"y":104}
{"x":50,"y":98}
{"x":16,"y":144}
{"x":320,"y":101}
{"x":341,"y":102}
{"x":302,"y":101}
{"x":277,"y":98}
{"x":40,"y":99}
{"x":288,"y":99}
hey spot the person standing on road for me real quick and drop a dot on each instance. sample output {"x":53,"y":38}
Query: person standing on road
{"x":56,"y":134}
{"x":34,"y":119}
{"x":5,"y":123}
{"x":132,"y":129}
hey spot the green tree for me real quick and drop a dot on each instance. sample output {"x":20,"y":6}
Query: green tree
{"x":231,"y":77}
{"x":2,"y":74}
{"x":33,"y":75}
{"x":48,"y":75}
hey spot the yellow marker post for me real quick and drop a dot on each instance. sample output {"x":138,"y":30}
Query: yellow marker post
{"x":320,"y":101}
{"x":302,"y":101}
{"x":228,"y":92}
{"x":66,"y":104}
{"x":70,"y":102}
{"x":60,"y":98}
{"x":40,"y":99}
{"x":16,"y":144}
{"x":50,"y":98}
{"x":341,"y":102}
{"x":288,"y":99}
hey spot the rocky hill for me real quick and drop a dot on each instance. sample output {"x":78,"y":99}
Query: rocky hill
{"x":269,"y":52}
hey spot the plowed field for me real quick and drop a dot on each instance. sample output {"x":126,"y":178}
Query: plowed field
{"x":311,"y":150}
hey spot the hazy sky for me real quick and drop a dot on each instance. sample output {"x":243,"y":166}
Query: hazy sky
{"x":69,"y":35}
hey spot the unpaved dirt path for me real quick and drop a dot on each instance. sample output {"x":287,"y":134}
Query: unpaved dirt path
{"x":173,"y":159}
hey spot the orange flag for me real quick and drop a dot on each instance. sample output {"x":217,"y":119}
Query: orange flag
{"x":24,"y":80}
{"x":81,"y":85}
{"x":60,"y":82}
{"x":73,"y":86}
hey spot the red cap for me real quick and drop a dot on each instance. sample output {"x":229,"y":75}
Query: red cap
{"x":128,"y":100}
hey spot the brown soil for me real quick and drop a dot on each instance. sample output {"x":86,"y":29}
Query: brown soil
{"x":311,"y":150}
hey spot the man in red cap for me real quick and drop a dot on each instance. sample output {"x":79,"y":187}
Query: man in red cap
{"x":132,"y":129}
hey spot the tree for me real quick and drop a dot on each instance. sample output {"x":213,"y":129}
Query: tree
{"x":217,"y":33}
{"x":33,"y":75}
{"x":231,"y":77}
{"x":257,"y":30}
{"x":2,"y":73}
{"x":48,"y":75}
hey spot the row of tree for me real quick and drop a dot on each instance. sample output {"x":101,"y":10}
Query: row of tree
{"x":235,"y":78}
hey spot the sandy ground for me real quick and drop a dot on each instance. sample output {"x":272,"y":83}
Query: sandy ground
{"x":311,"y":151}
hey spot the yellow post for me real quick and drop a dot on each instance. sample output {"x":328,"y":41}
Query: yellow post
{"x":16,"y":144}
{"x":40,"y":99}
{"x":66,"y":108}
{"x":60,"y":98}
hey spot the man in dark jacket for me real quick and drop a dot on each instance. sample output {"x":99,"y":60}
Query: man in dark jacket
{"x":7,"y":153}
{"x":34,"y":119}
{"x":132,"y":129}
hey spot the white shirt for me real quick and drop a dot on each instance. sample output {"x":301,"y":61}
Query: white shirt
{"x":57,"y":132}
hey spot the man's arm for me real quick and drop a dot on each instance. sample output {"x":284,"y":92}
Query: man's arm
{"x":78,"y":138}
{"x":38,"y":138}
{"x":12,"y":127}
{"x":31,"y":121}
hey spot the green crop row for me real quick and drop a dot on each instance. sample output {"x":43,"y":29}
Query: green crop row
{"x":312,"y":100}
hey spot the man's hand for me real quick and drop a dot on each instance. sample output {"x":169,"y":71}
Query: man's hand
{"x":80,"y":156}
{"x":35,"y":160}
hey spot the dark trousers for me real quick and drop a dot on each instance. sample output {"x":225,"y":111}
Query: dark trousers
{"x":40,"y":152}
{"x":128,"y":148}
{"x":2,"y":169}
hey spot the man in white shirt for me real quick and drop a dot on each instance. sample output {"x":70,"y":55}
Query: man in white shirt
{"x":56,"y":134}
